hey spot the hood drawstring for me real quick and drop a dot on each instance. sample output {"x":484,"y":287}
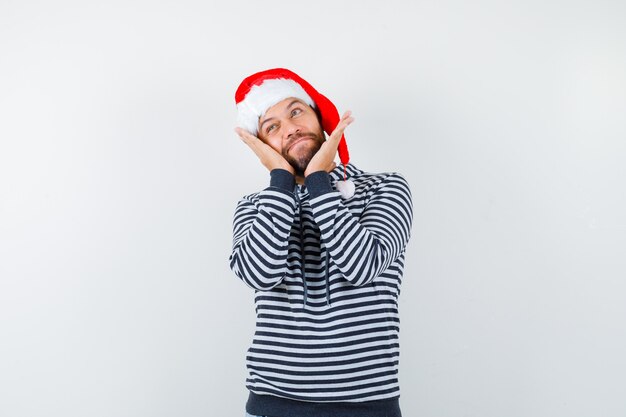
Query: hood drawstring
{"x":301,"y":238}
{"x":303,"y":261}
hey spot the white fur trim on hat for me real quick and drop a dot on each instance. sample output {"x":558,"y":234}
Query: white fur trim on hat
{"x":261,"y":97}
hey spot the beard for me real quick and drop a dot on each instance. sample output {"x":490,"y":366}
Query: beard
{"x":300,"y":160}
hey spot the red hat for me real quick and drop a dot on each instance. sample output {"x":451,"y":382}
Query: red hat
{"x":260,"y":91}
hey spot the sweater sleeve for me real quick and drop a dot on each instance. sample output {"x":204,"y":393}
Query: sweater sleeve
{"x":261,"y":234}
{"x":364,"y":247}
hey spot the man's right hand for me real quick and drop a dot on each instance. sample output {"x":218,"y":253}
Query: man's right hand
{"x":267,"y":155}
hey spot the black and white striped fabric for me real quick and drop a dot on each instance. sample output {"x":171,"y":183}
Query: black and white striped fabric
{"x":331,"y":335}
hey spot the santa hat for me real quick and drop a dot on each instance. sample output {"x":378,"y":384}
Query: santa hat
{"x":260,"y":91}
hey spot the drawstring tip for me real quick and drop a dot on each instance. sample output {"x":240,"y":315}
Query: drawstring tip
{"x":345,"y":188}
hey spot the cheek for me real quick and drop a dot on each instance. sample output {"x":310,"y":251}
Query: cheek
{"x":315,"y":126}
{"x":274,"y":143}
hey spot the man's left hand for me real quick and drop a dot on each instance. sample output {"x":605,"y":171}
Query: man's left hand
{"x":325,"y":157}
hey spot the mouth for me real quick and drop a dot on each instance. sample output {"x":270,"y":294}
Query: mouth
{"x":296,"y":141}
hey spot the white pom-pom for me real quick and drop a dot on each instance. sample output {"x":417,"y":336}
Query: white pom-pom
{"x":345,"y":188}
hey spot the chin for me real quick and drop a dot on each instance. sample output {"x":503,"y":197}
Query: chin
{"x":300,"y":161}
{"x":300,"y":165}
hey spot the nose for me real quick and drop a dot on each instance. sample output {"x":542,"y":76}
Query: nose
{"x":289,"y":128}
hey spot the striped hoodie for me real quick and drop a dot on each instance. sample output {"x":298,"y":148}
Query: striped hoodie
{"x":327,"y":275}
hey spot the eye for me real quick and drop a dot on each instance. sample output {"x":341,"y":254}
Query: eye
{"x":296,"y":111}
{"x":270,"y":128}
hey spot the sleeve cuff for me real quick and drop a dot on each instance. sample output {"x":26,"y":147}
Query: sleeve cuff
{"x":318,"y":183}
{"x":282,"y":179}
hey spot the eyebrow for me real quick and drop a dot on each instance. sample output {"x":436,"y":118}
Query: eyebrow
{"x":272,"y":118}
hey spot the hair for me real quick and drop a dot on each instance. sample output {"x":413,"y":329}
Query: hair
{"x":318,"y":113}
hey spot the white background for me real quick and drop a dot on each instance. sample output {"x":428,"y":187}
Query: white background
{"x":120,"y":172}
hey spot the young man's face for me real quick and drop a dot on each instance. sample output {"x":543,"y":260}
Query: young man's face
{"x":291,"y":127}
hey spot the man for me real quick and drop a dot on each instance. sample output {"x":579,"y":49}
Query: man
{"x":324,"y":247}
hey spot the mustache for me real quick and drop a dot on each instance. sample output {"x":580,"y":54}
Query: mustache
{"x":299,"y":135}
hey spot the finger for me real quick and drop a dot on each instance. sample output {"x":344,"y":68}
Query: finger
{"x":254,"y":143}
{"x":245,"y":135}
{"x":341,"y":127}
{"x":345,"y":120}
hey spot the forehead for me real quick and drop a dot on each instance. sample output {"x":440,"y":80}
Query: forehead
{"x":282,"y":106}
